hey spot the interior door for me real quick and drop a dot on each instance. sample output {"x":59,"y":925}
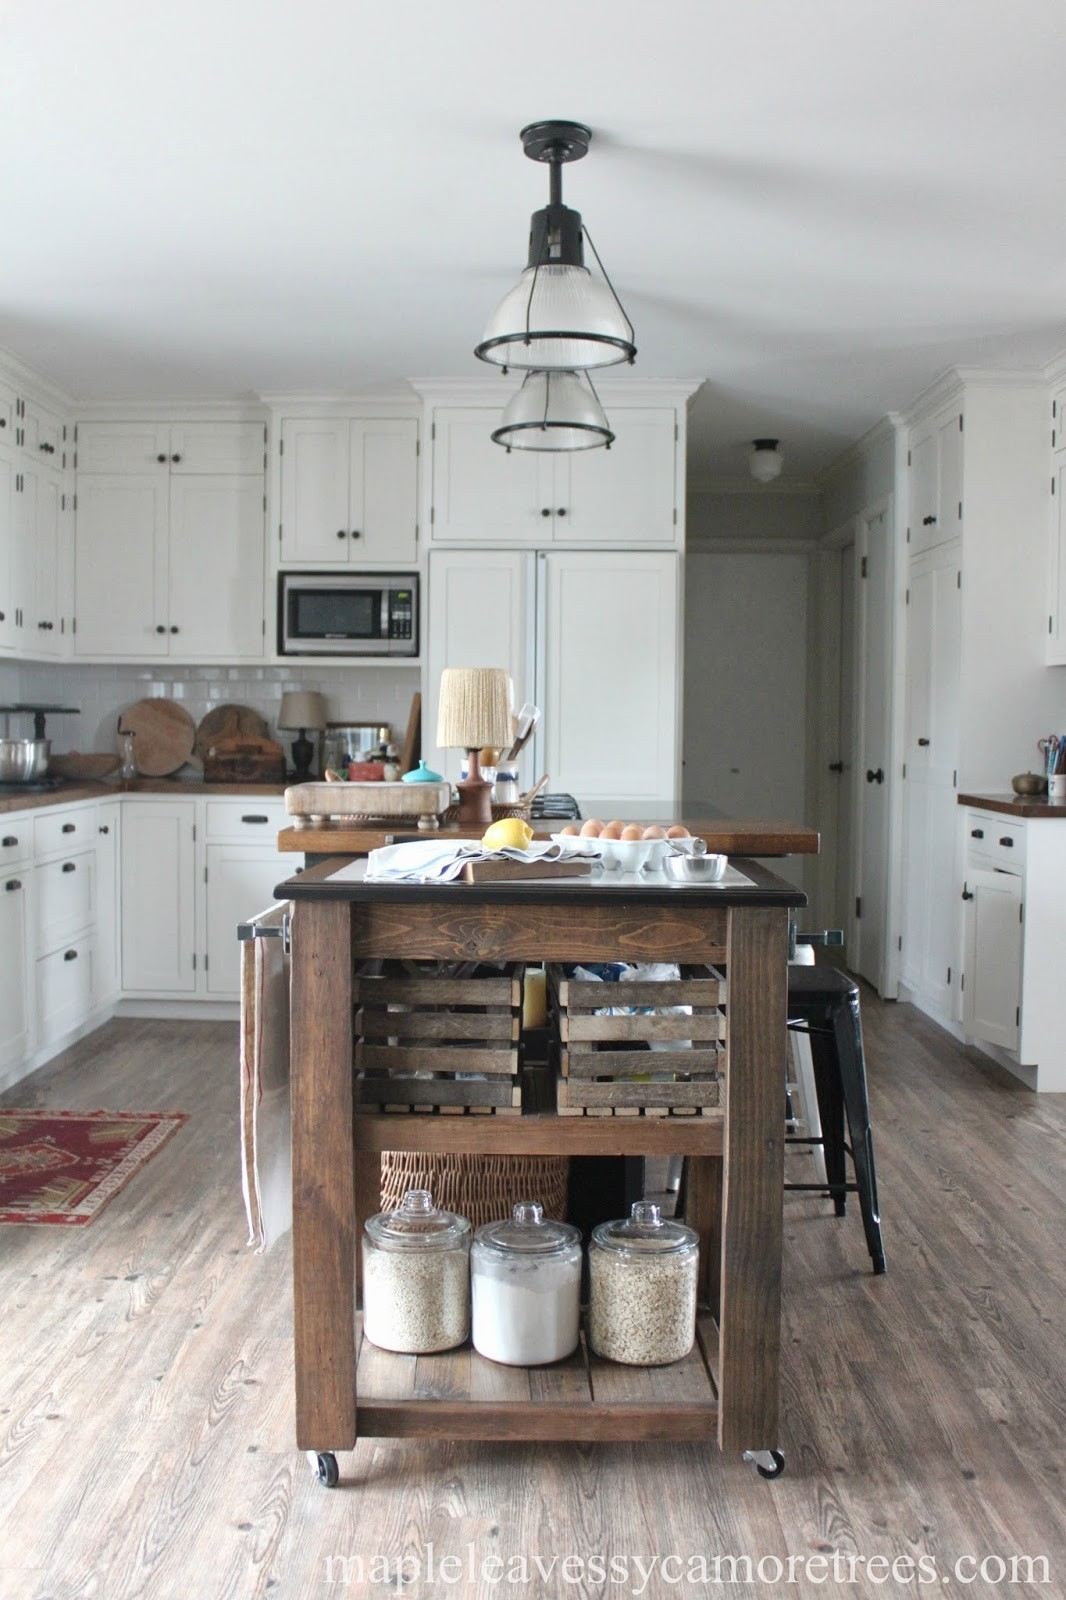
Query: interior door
{"x":847,"y":797}
{"x":872,"y":787}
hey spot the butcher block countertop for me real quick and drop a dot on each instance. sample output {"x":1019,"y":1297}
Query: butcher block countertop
{"x":726,"y":835}
{"x":66,"y":793}
{"x":1014,"y":805}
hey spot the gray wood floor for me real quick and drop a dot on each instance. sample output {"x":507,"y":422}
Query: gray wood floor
{"x":145,"y":1392}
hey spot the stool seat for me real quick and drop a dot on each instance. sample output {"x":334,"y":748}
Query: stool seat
{"x":823,"y":1003}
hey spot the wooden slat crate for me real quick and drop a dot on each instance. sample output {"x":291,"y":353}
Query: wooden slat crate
{"x":419,"y":1031}
{"x":605,"y":1066}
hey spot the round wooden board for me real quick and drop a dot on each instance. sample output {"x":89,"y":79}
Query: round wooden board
{"x":165,"y":734}
{"x":228,"y":722}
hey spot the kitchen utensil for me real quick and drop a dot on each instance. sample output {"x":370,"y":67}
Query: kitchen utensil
{"x":228,"y":722}
{"x":1028,"y":783}
{"x":165,"y":734}
{"x":83,"y":764}
{"x":696,"y":867}
{"x":527,"y":720}
{"x":23,"y":760}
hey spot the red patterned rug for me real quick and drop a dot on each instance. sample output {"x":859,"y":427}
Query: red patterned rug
{"x":64,"y":1166}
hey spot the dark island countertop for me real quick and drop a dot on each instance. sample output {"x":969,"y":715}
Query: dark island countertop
{"x":1015,"y":805}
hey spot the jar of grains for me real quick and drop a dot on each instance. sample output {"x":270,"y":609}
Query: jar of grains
{"x":525,"y":1275}
{"x":642,"y":1288}
{"x":416,"y":1277}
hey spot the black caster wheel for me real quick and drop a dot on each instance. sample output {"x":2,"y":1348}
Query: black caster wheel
{"x":323,"y":1464}
{"x":767,"y":1463}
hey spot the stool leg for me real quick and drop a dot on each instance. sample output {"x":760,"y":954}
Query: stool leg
{"x":831,"y":1114}
{"x":847,"y":1028}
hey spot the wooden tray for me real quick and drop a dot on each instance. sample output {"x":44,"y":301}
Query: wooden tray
{"x":228,"y":722}
{"x":522,"y":871}
{"x":165,"y":735}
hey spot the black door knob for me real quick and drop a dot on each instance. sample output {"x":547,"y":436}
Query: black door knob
{"x":967,"y":894}
{"x":875,"y":777}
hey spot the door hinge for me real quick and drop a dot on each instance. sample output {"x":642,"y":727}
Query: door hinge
{"x":73,"y":624}
{"x":858,"y":905}
{"x":74,"y":501}
{"x":677,"y":433}
{"x":1021,"y":918}
{"x":194,"y":833}
{"x":205,"y":960}
{"x":1053,"y":486}
{"x":75,"y":460}
{"x":1050,"y":629}
{"x":949,"y":975}
{"x":432,"y":515}
{"x":960,"y":510}
{"x":62,"y":502}
{"x":908,"y":458}
{"x":194,"y":961}
{"x":1054,"y":408}
{"x":1017,"y":1016}
{"x":75,"y":433}
{"x":279,"y":532}
{"x":263,"y":629}
{"x":955,"y":780}
{"x":675,"y":516}
{"x":958,"y":580}
{"x":433,"y":430}
{"x":1052,"y":438}
{"x":904,"y":769}
{"x":899,"y":942}
{"x":205,"y":874}
{"x":908,"y":536}
{"x":281,"y":447}
{"x":862,"y":571}
{"x":962,"y":983}
{"x":264,"y":497}
{"x":960,"y":421}
{"x":906,"y":597}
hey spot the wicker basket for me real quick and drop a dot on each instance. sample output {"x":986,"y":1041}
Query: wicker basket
{"x":483,"y":1188}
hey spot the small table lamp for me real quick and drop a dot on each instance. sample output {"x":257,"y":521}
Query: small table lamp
{"x":302,"y":709}
{"x":474,"y":710}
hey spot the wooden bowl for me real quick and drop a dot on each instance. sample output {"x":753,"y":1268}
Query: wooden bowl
{"x":1028,"y":783}
{"x":91,"y":764}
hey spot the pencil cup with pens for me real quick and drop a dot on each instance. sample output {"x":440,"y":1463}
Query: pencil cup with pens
{"x":1053,"y":749}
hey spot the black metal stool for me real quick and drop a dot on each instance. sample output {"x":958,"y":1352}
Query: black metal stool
{"x":824,"y":1003}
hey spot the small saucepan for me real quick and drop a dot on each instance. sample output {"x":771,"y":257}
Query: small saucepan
{"x":23,"y":760}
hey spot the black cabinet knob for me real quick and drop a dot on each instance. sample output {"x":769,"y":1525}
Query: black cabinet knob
{"x":2,"y":616}
{"x":161,"y":458}
{"x":174,"y":628}
{"x":68,"y":827}
{"x":875,"y":777}
{"x":1007,"y":842}
{"x":3,"y":422}
{"x":977,"y":833}
{"x":159,"y":628}
{"x":69,"y":866}
{"x":12,"y":883}
{"x":104,"y":828}
{"x":561,"y":511}
{"x":928,"y":522}
{"x":175,"y":458}
{"x":70,"y":955}
{"x":923,"y":742}
{"x":546,"y":511}
{"x":967,"y":895}
{"x":356,"y":533}
{"x":342,"y":533}
{"x":255,"y":818}
{"x":9,"y":841}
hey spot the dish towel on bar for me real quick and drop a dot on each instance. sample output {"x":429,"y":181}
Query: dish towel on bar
{"x":266,"y":1166}
{"x":435,"y":862}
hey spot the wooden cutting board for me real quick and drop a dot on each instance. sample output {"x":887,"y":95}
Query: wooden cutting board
{"x":164,"y":736}
{"x":228,"y":722}
{"x":523,"y":871}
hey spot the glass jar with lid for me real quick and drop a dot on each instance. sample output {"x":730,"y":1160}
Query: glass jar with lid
{"x":416,"y":1277}
{"x":525,"y":1277}
{"x":642,"y":1288}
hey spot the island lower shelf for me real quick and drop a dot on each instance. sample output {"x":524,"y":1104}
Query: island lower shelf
{"x":462,"y":1395}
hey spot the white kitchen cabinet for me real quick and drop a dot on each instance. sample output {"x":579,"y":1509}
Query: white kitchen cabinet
{"x":16,"y":947}
{"x":626,"y":495}
{"x":107,"y":968}
{"x":9,"y":631}
{"x":239,"y":882}
{"x":349,"y":491}
{"x":935,"y":509}
{"x":44,"y":501}
{"x":169,"y":557}
{"x":1056,"y":622}
{"x":158,"y":897}
{"x":992,"y":956}
{"x":65,"y":987}
{"x":592,"y":636}
{"x":65,"y":891}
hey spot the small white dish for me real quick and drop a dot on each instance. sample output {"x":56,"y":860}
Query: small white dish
{"x":696,"y":868}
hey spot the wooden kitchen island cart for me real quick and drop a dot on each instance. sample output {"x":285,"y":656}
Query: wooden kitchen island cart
{"x":728,"y":1388}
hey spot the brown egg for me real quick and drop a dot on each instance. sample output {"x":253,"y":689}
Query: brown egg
{"x":612,"y":830}
{"x":654,"y":830}
{"x":592,"y":828}
{"x":632,"y":830}
{"x":571,"y":830}
{"x":678,"y":831}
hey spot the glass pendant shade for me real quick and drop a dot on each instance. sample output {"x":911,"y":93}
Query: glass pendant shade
{"x":554,"y":411}
{"x":558,"y":317}
{"x":765,"y":460}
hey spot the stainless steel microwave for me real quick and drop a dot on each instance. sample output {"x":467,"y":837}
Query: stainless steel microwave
{"x":347,"y":614}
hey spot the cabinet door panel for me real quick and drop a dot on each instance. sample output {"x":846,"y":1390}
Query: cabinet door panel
{"x":106,"y":970}
{"x":240,"y":884}
{"x":45,"y":637}
{"x":993,"y":957}
{"x":138,"y":447}
{"x":120,"y":575}
{"x":609,"y":675}
{"x":923,"y":492}
{"x":158,"y":884}
{"x":949,"y":485}
{"x":480,"y":615}
{"x":222,"y":447}
{"x":1056,"y":646}
{"x":314,"y":490}
{"x":483,"y":492}
{"x":16,"y":1017}
{"x":65,"y":988}
{"x":8,"y":631}
{"x":624,"y":494}
{"x":216,"y":567}
{"x":383,"y":479}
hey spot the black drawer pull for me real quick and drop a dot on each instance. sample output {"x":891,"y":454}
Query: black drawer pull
{"x":69,"y":827}
{"x":255,"y":819}
{"x":1008,"y":842}
{"x":70,"y":955}
{"x":927,"y":522}
{"x":977,"y":833}
{"x":13,"y":883}
{"x":9,"y":841}
{"x":923,"y":742}
{"x":161,"y":458}
{"x":69,"y":866}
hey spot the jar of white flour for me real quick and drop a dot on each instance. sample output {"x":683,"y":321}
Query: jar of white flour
{"x":416,"y":1277}
{"x":525,"y":1277}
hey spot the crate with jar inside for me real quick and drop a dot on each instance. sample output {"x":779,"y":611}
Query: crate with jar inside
{"x":638,"y":1040}
{"x":513,"y":1287}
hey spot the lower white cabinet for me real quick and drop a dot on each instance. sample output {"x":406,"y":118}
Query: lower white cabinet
{"x":158,"y":897}
{"x":240,"y":881}
{"x":107,"y":965}
{"x":65,"y":988}
{"x":16,"y":995}
{"x":992,"y":956}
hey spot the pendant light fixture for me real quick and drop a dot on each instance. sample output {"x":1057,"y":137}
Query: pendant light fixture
{"x":554,"y":411}
{"x":765,"y":460}
{"x":558,"y":317}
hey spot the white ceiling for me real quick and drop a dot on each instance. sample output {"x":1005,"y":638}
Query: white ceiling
{"x":814,"y":205}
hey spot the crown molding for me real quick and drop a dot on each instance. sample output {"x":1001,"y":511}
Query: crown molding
{"x":1055,"y":371}
{"x":17,"y":373}
{"x":944,"y":390}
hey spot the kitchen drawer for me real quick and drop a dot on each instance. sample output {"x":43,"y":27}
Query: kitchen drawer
{"x":66,"y":898}
{"x":996,"y":841}
{"x":16,"y":841}
{"x":65,"y":988}
{"x":251,"y":821}
{"x":66,"y":830}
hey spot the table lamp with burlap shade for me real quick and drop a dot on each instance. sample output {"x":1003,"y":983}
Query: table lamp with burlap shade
{"x":474,"y":710}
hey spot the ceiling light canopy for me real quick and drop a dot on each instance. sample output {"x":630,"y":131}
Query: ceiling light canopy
{"x":558,"y":317}
{"x":765,"y":460}
{"x":554,"y":411}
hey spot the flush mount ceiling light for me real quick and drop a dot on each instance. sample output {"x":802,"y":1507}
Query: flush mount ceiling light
{"x":554,"y":411}
{"x":765,"y":460}
{"x":558,"y":316}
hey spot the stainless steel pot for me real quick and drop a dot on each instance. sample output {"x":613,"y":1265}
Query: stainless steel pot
{"x":23,"y":760}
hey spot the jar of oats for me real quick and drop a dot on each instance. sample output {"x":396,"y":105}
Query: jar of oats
{"x":642,"y":1288}
{"x":416,"y":1277}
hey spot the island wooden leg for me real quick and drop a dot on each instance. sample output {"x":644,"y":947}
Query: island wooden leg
{"x":703,"y":1211}
{"x":753,"y":1175}
{"x":323,"y":1186}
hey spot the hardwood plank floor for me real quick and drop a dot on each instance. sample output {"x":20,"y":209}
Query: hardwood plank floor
{"x":146,"y":1410}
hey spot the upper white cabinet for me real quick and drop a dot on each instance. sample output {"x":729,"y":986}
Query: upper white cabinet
{"x":935,"y":458}
{"x":483,"y":494}
{"x":348,"y":491}
{"x":169,"y":547}
{"x":35,"y":620}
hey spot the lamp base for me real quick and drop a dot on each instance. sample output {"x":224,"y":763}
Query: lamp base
{"x":475,"y":795}
{"x":302,"y":755}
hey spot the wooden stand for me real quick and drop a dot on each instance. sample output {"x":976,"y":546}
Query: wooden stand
{"x":730,"y":1388}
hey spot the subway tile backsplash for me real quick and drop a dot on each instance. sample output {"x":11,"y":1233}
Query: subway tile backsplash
{"x":353,"y":694}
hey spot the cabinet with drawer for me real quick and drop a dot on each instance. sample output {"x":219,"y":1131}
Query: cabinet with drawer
{"x":66,"y":897}
{"x":16,"y":929}
{"x":65,"y":988}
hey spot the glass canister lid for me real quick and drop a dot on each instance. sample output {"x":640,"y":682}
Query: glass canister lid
{"x":646,"y":1232}
{"x":417,"y":1225}
{"x":527,"y":1232}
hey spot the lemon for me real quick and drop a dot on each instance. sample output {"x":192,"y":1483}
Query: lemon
{"x":510,"y":833}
